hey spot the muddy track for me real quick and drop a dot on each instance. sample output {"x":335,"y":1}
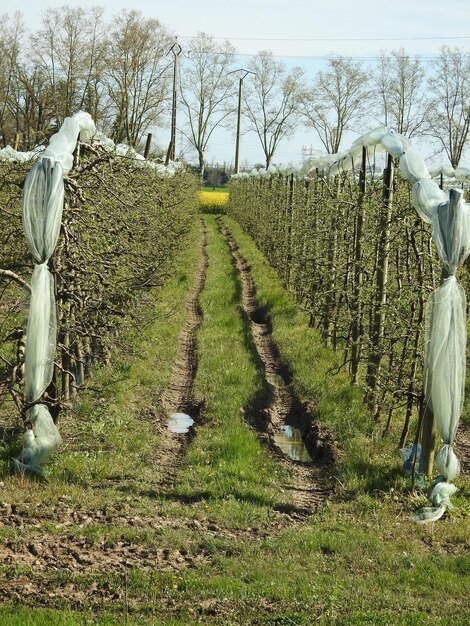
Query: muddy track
{"x":179,"y":397}
{"x":277,"y":409}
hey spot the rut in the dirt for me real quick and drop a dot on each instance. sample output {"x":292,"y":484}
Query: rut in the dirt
{"x":279,"y":407}
{"x":179,"y":396}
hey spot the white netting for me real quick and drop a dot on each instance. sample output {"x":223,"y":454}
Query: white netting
{"x":425,"y":196}
{"x":40,"y":334}
{"x":43,"y":198}
{"x":43,"y":201}
{"x":60,"y":145}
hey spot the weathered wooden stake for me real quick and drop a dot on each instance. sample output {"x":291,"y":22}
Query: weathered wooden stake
{"x":358,"y":277}
{"x":377,"y":331}
{"x":147,"y":146}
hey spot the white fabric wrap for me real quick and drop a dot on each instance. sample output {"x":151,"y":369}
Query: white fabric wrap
{"x":43,"y":200}
{"x":426,"y":196}
{"x":62,"y":144}
{"x":446,"y":338}
{"x":40,"y":334}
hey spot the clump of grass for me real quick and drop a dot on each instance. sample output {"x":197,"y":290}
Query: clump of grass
{"x":214,"y":202}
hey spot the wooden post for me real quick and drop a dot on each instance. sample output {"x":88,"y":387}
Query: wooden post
{"x":169,"y":153}
{"x":147,"y":146}
{"x":358,"y":276}
{"x":80,"y":360}
{"x":428,"y":441}
{"x":330,"y":299}
{"x":378,"y":327}
{"x":288,"y":235}
{"x":65,"y":362}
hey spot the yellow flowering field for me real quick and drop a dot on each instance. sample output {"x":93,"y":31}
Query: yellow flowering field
{"x":213,"y":201}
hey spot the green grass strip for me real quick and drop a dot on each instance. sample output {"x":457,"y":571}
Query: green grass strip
{"x":226,"y":464}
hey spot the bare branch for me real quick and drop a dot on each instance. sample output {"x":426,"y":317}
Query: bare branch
{"x":12,"y":276}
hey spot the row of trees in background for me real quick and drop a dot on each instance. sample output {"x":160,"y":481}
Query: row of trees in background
{"x":121,"y":72}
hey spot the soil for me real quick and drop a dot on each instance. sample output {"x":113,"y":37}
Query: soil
{"x":179,"y":397}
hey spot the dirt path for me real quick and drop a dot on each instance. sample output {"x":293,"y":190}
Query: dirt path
{"x":277,"y":410}
{"x":179,"y":397}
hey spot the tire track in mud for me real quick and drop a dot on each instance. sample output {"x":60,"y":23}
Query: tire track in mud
{"x":277,"y":408}
{"x":179,"y":397}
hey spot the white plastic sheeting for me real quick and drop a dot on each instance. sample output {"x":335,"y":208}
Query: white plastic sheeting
{"x":10,"y":154}
{"x":460,"y":174}
{"x":381,"y":140}
{"x":43,"y":199}
{"x":58,"y":149}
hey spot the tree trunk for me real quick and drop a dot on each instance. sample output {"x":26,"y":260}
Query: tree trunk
{"x":202,"y":165}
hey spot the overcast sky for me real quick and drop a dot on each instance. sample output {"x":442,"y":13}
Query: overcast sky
{"x":302,"y":32}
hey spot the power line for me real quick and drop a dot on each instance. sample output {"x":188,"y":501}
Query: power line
{"x":327,"y":57}
{"x":335,"y":39}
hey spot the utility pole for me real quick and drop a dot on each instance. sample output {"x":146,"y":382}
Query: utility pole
{"x":176,"y":50}
{"x":243,"y":75}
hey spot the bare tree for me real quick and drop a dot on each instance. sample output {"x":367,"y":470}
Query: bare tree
{"x":69,"y":49}
{"x":137,"y":84}
{"x":34,"y":104}
{"x":399,"y":80}
{"x":338,"y":97}
{"x":11,"y":34}
{"x":272,"y":100}
{"x":207,"y":93}
{"x":448,"y":113}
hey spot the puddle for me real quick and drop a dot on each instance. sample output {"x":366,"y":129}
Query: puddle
{"x":290,"y":442}
{"x":179,"y":423}
{"x":275,"y":380}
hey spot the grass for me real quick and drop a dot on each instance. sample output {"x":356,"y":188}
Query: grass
{"x":360,"y":561}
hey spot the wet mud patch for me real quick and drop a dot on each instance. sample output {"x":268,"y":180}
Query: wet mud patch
{"x":178,"y":399}
{"x":287,"y":425}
